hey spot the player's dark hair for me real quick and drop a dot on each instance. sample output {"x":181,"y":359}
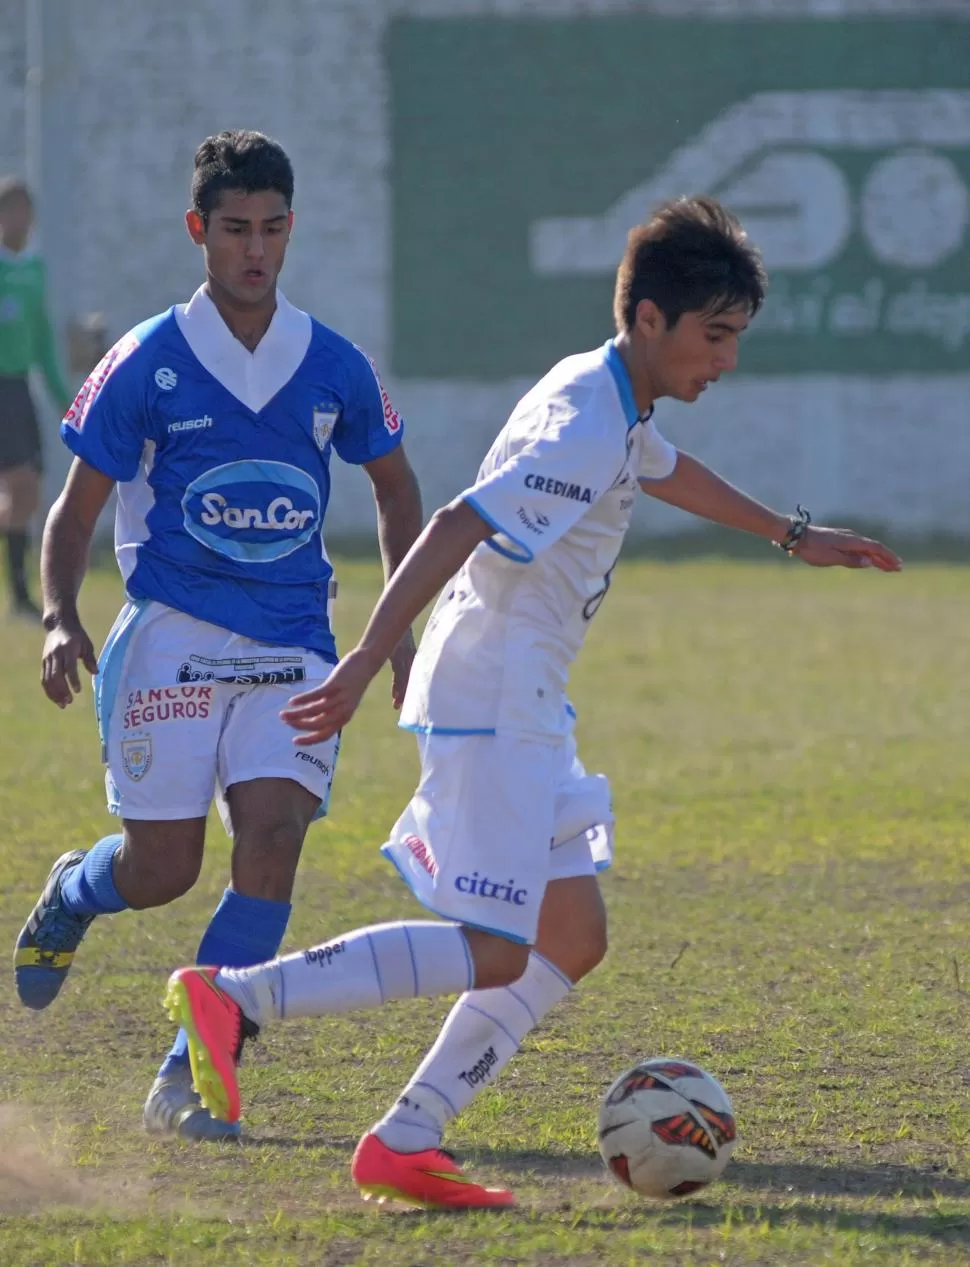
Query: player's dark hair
{"x":248,"y":161}
{"x":692,"y":255}
{"x":13,"y":187}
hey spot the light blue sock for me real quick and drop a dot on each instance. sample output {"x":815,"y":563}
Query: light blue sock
{"x":242,"y":932}
{"x":89,"y":889}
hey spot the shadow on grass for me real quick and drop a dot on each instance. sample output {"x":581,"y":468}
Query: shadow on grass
{"x":882,"y":1181}
{"x":952,"y":1229}
{"x":298,"y":1143}
{"x":775,"y":1177}
{"x":783,"y":1188}
{"x":698,"y":1214}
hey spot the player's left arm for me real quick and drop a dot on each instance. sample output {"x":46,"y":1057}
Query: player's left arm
{"x":47,"y":356}
{"x":398,"y":501}
{"x":694,"y":487}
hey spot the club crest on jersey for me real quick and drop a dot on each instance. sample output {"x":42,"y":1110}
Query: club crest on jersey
{"x":324,"y":421}
{"x":136,"y":757}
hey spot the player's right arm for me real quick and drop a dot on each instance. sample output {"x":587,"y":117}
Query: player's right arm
{"x":105,"y":429}
{"x":63,"y":563}
{"x":445,"y":544}
{"x":567,"y":446}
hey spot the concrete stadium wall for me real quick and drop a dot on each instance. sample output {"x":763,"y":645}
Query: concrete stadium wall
{"x":465,"y":171}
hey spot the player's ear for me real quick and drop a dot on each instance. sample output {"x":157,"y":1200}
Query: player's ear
{"x":289,"y":220}
{"x":650,"y":320}
{"x":195,"y":226}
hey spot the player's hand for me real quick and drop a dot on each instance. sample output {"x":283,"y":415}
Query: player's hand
{"x":64,"y":646}
{"x":840,"y":547}
{"x":320,"y":713}
{"x":401,"y":661}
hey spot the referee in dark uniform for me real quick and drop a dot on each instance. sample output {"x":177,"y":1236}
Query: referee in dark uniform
{"x":26,"y":340}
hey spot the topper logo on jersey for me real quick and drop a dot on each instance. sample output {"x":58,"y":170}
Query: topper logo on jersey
{"x":253,"y":512}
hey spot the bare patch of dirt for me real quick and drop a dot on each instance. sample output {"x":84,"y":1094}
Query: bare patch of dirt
{"x":35,"y":1176}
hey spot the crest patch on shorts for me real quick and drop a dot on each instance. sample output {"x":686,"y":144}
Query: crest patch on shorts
{"x":136,"y":757}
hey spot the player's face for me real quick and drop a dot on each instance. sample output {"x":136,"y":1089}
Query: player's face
{"x":244,"y":239}
{"x":695,"y":352}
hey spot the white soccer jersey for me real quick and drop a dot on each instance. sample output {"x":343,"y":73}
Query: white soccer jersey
{"x":558,"y":486}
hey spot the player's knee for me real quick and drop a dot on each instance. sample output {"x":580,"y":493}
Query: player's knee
{"x":158,"y":861}
{"x":580,"y":948}
{"x":147,"y":879}
{"x":497,"y":960}
{"x":24,"y":498}
{"x":265,"y":857}
{"x":589,"y":951}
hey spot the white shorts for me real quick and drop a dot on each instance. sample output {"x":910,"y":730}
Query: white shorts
{"x":186,"y":709}
{"x":493,"y":820}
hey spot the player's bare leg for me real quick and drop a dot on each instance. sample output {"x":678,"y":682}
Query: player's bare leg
{"x":480,"y":1036}
{"x":150,"y":864}
{"x":19,"y":499}
{"x":485,"y":1028}
{"x":364,"y":968}
{"x":269,"y":820}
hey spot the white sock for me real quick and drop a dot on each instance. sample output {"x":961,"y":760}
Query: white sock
{"x":480,"y":1036}
{"x":363,"y":969}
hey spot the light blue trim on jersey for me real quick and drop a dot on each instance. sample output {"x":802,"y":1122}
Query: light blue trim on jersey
{"x":482,"y":928}
{"x":109,"y":669}
{"x":432,"y":729}
{"x":529,"y":555}
{"x":622,"y":380}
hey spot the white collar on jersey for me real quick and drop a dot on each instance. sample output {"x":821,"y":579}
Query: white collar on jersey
{"x":16,"y":257}
{"x":252,"y":377}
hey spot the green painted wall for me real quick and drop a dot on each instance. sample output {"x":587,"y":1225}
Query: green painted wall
{"x":861,"y":200}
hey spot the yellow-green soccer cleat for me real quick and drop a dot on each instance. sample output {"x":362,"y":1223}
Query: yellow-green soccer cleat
{"x":216,"y":1029}
{"x":45,"y":948}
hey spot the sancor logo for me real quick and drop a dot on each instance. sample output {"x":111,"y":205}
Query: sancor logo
{"x":253,"y":512}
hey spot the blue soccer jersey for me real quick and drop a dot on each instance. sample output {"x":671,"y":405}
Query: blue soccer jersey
{"x":222,"y":461}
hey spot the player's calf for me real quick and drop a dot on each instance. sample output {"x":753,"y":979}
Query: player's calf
{"x":498,"y":961}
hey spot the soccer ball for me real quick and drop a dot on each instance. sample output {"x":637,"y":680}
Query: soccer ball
{"x":666,"y":1128}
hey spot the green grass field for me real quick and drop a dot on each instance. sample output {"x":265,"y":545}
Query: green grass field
{"x":789,"y":752}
